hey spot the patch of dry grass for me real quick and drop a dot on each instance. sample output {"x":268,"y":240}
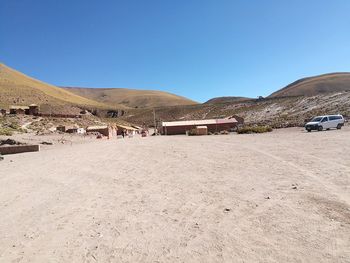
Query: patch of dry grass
{"x":254,"y":129}
{"x":18,"y":88}
{"x":9,"y":125}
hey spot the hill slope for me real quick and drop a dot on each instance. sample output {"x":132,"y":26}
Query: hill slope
{"x":18,"y":88}
{"x":327,"y":83}
{"x":131,"y":97}
{"x":277,"y":112}
{"x":226,"y":99}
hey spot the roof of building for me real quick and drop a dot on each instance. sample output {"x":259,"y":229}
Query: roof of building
{"x":126,"y":127}
{"x":199,"y":122}
{"x":221,"y":121}
{"x":97,"y":127}
{"x":15,"y":107}
{"x":33,"y":105}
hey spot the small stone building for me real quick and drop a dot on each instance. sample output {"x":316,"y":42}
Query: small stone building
{"x":33,"y":109}
{"x":201,"y":130}
{"x":81,"y":131}
{"x":19,"y":110}
{"x":109,"y":131}
{"x":72,"y":130}
{"x":61,"y":128}
{"x":128,"y":129}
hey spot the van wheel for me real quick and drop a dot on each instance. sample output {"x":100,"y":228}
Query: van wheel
{"x":320,"y":128}
{"x":339,"y":126}
{"x":308,"y":130}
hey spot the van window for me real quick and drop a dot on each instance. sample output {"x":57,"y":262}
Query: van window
{"x":324,"y":119}
{"x":332,"y":118}
{"x":317,"y":119}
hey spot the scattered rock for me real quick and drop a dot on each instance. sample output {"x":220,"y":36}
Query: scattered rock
{"x":227,"y":209}
{"x":268,"y":197}
{"x":294,"y":187}
{"x":9,"y":142}
{"x":46,"y":143}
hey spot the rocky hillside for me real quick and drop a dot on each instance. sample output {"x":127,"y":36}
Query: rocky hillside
{"x":328,"y":83}
{"x":290,"y":106}
{"x":277,"y":112}
{"x":227,"y":99}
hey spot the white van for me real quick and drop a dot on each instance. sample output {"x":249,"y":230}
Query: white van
{"x":325,"y":122}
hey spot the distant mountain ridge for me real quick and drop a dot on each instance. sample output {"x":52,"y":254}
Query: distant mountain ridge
{"x":18,"y":88}
{"x":226,"y":99}
{"x":316,"y":85}
{"x":309,"y":86}
{"x":131,"y":98}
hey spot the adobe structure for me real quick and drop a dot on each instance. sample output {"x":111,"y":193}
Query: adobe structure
{"x":213,"y":125}
{"x":127,"y":129}
{"x":19,"y":110}
{"x":109,"y":131}
{"x":32,"y":109}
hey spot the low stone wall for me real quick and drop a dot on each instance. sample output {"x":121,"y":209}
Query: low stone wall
{"x":12,"y":149}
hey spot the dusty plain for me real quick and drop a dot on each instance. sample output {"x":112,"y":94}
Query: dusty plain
{"x":277,"y":197}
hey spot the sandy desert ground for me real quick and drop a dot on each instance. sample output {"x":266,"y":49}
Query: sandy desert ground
{"x":277,"y":197}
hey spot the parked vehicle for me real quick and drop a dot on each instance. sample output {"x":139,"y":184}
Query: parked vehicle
{"x":327,"y":122}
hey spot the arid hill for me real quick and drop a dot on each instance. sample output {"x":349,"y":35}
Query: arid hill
{"x":277,"y":112}
{"x":226,"y":99}
{"x":290,"y":106}
{"x":19,"y":89}
{"x":327,"y":83}
{"x":131,"y":97}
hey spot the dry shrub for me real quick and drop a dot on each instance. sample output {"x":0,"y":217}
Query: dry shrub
{"x":6,"y":131}
{"x":192,"y":132}
{"x":8,"y":126}
{"x":254,"y":129}
{"x":225,"y":132}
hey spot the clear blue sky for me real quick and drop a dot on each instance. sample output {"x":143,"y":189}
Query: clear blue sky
{"x":195,"y":48}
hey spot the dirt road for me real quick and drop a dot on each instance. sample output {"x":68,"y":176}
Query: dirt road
{"x":277,"y":197}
